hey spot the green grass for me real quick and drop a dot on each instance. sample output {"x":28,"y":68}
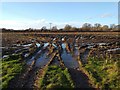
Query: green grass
{"x":56,"y":77}
{"x":11,"y":66}
{"x":104,"y":72}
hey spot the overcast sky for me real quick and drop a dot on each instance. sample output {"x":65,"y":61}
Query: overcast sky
{"x":22,"y":15}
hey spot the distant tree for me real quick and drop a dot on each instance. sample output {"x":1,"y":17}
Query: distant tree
{"x":74,"y":29}
{"x":86,"y":26}
{"x":67,"y":27}
{"x":112,"y":26}
{"x":4,"y":29}
{"x":54,"y":28}
{"x":43,"y":28}
{"x":105,"y":28}
{"x":60,"y":29}
{"x":117,"y":28}
{"x":97,"y":26}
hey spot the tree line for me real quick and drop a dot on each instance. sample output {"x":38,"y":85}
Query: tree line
{"x":69,"y":28}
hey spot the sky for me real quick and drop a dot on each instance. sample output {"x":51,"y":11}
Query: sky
{"x":23,"y":15}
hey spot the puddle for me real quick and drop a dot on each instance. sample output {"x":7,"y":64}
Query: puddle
{"x":42,"y":61}
{"x":102,"y":44}
{"x":54,"y":39}
{"x":54,"y":45}
{"x":90,"y":46}
{"x":38,"y":44}
{"x":29,"y":62}
{"x":69,"y":61}
{"x":115,"y":49}
{"x":5,"y":56}
{"x":63,"y":39}
{"x":39,"y":55}
{"x":76,"y":53}
{"x":63,"y":45}
{"x":2,"y":47}
{"x":27,"y":45}
{"x":26,"y":55}
{"x":45,"y":45}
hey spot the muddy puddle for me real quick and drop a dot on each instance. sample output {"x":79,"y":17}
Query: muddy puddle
{"x":67,"y":58}
{"x":42,"y":61}
{"x":41,"y":58}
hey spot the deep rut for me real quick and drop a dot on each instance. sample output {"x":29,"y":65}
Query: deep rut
{"x":80,"y":79}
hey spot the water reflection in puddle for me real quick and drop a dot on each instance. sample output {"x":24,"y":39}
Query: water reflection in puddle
{"x":38,"y":44}
{"x":54,"y":45}
{"x":42,"y":61}
{"x":45,"y":45}
{"x":30,"y":61}
{"x":69,"y":61}
{"x":63,"y":45}
{"x":115,"y":49}
{"x":27,"y":45}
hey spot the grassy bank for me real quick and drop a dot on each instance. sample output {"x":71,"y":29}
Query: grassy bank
{"x":56,"y":77}
{"x":11,"y":66}
{"x":103,"y":72}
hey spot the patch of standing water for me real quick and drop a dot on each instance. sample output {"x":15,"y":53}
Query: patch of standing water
{"x":29,"y":62}
{"x":76,"y":51}
{"x":26,"y":55}
{"x":38,"y":44}
{"x":69,"y":61}
{"x":45,"y":45}
{"x":54,"y":45}
{"x":5,"y":56}
{"x":115,"y":49}
{"x":101,"y":44}
{"x":89,"y":47}
{"x":63,"y":39}
{"x":42,"y":61}
{"x":63,"y":45}
{"x":27,"y":45}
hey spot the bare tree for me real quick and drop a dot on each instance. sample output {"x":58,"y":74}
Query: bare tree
{"x":74,"y":29}
{"x":67,"y":27}
{"x":54,"y":28}
{"x":43,"y":28}
{"x":97,"y":26}
{"x":105,"y":28}
{"x":86,"y":26}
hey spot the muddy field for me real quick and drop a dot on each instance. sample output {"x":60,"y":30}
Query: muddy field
{"x":67,"y":51}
